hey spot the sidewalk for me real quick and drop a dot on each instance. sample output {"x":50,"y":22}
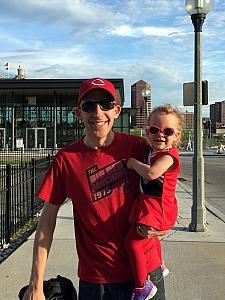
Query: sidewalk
{"x":196,"y":260}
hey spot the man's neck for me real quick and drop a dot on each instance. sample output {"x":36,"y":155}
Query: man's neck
{"x":96,"y":143}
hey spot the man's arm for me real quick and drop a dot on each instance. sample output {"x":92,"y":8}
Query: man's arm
{"x":41,"y":248}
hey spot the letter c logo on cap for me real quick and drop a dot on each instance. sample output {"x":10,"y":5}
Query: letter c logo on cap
{"x":98,"y":81}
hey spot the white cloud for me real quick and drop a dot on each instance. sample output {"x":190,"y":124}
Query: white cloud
{"x":151,"y":8}
{"x":150,"y":40}
{"x":129,"y":31}
{"x":67,"y":13}
{"x":51,"y":62}
{"x":10,"y":40}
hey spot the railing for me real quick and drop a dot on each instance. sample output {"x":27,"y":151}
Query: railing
{"x":18,"y":185}
{"x":22,"y":156}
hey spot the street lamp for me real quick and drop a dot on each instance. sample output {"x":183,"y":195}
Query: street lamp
{"x":146,"y":94}
{"x":198,"y":10}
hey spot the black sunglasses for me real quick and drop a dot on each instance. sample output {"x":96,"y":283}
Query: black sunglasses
{"x":156,"y":130}
{"x":90,"y":105}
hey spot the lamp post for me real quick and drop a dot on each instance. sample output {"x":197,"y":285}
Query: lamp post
{"x":198,"y":10}
{"x":210,"y":131}
{"x":146,"y":94}
{"x":208,"y":122}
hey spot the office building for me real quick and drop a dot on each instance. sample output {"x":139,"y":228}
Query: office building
{"x":142,"y":104}
{"x":217,"y":114}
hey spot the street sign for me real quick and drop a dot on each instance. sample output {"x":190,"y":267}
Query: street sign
{"x":188,"y":93}
{"x":19,"y":143}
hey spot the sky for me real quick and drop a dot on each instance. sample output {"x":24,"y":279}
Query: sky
{"x":152,"y":40}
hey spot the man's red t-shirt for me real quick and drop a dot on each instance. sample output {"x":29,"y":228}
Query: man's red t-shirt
{"x":102,"y":191}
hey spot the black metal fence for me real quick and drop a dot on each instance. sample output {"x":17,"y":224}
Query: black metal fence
{"x":22,"y":156}
{"x":18,"y":185}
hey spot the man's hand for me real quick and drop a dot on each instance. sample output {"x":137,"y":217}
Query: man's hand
{"x":34,"y":295}
{"x":131,"y":162}
{"x":41,"y":248}
{"x":148,"y":232}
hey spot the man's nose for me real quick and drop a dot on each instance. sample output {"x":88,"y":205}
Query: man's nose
{"x":98,"y":109}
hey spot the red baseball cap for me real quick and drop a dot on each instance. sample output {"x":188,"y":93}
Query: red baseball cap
{"x":96,"y":83}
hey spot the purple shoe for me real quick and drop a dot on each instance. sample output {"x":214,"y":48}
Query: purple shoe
{"x":145,"y":293}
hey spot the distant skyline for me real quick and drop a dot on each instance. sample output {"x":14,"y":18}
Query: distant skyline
{"x":152,"y":40}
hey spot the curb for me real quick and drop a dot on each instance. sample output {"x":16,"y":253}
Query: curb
{"x":208,"y":206}
{"x":204,"y":155}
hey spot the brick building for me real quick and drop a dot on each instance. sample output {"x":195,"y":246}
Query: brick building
{"x":217,"y":114}
{"x":188,"y":118}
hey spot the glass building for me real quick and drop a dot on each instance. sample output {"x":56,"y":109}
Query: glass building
{"x":40,"y":113}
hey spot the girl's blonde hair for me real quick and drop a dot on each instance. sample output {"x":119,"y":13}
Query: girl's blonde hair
{"x":169,"y":109}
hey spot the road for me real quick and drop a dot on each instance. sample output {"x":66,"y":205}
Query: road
{"x":214,"y":178}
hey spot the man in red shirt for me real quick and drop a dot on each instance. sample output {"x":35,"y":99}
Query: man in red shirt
{"x":92,"y":172}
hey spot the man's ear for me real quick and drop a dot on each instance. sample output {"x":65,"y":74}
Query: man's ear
{"x":78,"y":112}
{"x":117,"y":111}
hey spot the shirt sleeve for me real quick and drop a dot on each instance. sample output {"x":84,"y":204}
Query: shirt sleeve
{"x":173,"y":152}
{"x":141,"y":151}
{"x":52,"y":189}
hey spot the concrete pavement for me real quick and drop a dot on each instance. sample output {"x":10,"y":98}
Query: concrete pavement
{"x":196,"y":260}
